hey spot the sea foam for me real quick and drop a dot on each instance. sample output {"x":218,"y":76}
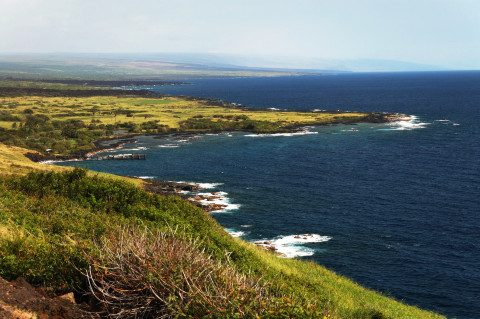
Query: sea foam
{"x":220,"y":198}
{"x":208,"y":185}
{"x":169,"y":146}
{"x":282,"y":134}
{"x":140,"y":148}
{"x":234,"y":233}
{"x":292,"y":245}
{"x":406,"y":123}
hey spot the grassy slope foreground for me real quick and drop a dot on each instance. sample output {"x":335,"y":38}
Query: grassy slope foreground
{"x":140,"y":253}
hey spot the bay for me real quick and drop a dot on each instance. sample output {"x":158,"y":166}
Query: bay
{"x":394,"y":207}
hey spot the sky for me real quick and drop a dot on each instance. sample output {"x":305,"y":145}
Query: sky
{"x":444,"y":33}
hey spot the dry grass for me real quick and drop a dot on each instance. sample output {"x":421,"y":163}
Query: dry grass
{"x":12,"y":161}
{"x":165,"y":111}
{"x":162,"y":275}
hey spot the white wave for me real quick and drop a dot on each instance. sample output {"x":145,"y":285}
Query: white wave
{"x":49,"y":162}
{"x":140,"y":148}
{"x":215,"y":197}
{"x":208,"y":185}
{"x":221,"y":194}
{"x":292,"y":245}
{"x":219,"y":198}
{"x":200,"y":185}
{"x":60,"y":161}
{"x":447,"y":122}
{"x":246,"y":226}
{"x":169,"y":146}
{"x":282,"y":134}
{"x":228,"y":208}
{"x":145,"y":177}
{"x":406,"y":123}
{"x":234,"y":233}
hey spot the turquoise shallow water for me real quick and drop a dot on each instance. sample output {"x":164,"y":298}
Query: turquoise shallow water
{"x":396,"y":208}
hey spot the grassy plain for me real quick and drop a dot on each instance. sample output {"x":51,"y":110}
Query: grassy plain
{"x":169,"y":111}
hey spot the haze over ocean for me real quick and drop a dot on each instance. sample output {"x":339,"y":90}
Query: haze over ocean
{"x":394,"y":207}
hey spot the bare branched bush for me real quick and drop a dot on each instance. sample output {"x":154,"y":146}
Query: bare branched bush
{"x":151,"y":274}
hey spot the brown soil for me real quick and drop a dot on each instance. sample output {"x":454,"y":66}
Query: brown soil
{"x":18,"y":299}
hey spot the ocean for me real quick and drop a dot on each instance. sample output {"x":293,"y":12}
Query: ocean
{"x":395,"y":207}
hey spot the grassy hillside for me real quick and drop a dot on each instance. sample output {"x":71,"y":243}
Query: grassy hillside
{"x":73,"y":230}
{"x":53,"y":225}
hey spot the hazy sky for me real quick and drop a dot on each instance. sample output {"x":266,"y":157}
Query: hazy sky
{"x":438,"y":32}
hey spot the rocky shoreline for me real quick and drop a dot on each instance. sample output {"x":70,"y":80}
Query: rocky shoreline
{"x":83,"y":154}
{"x":169,"y":188}
{"x":182,"y":190}
{"x":100,"y":146}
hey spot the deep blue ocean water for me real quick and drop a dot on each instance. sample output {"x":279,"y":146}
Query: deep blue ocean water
{"x":394,"y":207}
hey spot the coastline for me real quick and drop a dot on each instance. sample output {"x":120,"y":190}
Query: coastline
{"x":180,"y":189}
{"x":177,"y":188}
{"x":207,"y":202}
{"x":373,"y":117}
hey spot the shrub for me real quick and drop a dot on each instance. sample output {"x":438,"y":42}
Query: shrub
{"x":6,"y":116}
{"x":141,"y":273}
{"x":153,"y":274}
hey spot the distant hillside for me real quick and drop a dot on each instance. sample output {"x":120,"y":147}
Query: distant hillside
{"x":118,"y":67}
{"x":160,"y":66}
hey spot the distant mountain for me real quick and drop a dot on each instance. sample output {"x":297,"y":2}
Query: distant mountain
{"x":303,"y":64}
{"x":163,"y":66}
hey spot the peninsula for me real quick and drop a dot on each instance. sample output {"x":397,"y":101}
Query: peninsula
{"x":58,"y":119}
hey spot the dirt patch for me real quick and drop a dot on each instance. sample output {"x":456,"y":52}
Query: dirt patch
{"x":18,"y":299}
